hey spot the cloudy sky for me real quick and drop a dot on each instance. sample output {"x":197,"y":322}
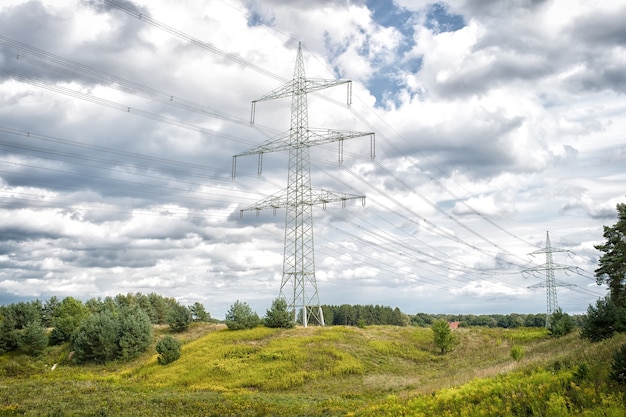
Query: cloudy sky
{"x":495,"y":122}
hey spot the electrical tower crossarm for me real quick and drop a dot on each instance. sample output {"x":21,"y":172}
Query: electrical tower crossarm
{"x":301,"y":87}
{"x":307,"y":86}
{"x":315,"y":137}
{"x":323,"y":197}
{"x":556,"y":283}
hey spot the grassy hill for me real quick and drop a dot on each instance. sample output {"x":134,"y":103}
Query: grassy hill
{"x":328,"y":371}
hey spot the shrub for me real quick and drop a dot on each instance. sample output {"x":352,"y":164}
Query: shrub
{"x":179,"y":318}
{"x":581,"y":373}
{"x":168,"y":349}
{"x":517,"y":353}
{"x":618,"y":367}
{"x":240,"y":316}
{"x":278,"y":315}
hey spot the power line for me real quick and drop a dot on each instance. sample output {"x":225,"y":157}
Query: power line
{"x":220,"y":52}
{"x":116,"y":82}
{"x":132,"y":11}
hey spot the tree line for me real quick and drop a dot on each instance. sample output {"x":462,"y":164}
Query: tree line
{"x":98,"y":330}
{"x":505,"y":321}
{"x":363,"y":315}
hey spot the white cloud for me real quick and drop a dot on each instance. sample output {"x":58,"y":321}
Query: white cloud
{"x":490,"y":131}
{"x":488,"y":288}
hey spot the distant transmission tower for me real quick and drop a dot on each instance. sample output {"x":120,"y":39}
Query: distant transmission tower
{"x":551,"y":283}
{"x":298,"y":286}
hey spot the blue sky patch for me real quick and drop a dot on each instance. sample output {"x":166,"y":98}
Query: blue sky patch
{"x":438,"y":19}
{"x":384,"y":84}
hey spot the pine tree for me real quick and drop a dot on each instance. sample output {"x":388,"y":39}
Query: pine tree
{"x":612,"y":269}
{"x":34,"y":340}
{"x":240,"y":316}
{"x":198,"y":313}
{"x":179,"y":318}
{"x":278,"y":315}
{"x":168,"y":349}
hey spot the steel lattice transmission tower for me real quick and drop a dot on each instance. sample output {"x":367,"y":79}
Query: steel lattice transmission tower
{"x":551,"y":283}
{"x":298,"y":286}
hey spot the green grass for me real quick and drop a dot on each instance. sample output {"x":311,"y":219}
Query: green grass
{"x":330,"y":371}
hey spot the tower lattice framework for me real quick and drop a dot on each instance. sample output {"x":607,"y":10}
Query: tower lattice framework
{"x":550,"y":283}
{"x":298,"y":286}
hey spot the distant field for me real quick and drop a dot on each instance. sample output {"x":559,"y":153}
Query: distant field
{"x":330,"y":371}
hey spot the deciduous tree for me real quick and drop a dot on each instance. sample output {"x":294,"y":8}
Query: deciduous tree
{"x":67,"y":317}
{"x":442,"y":335}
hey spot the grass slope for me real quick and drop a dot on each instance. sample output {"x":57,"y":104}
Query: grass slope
{"x":327,"y":371}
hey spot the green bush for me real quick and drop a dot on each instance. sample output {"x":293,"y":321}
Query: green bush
{"x":581,"y":373}
{"x":278,"y":316}
{"x":168,"y":349}
{"x":618,"y":367}
{"x":179,"y":318}
{"x":517,"y":353}
{"x":240,"y":316}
